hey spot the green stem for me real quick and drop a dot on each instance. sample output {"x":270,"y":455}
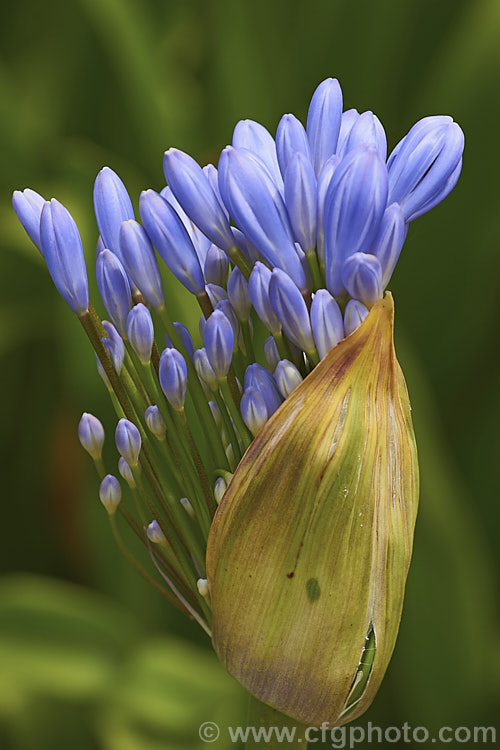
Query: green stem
{"x":282,"y":730}
{"x":234,"y":411}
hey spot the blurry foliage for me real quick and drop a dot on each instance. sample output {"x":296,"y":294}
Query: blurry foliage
{"x":115,"y":82}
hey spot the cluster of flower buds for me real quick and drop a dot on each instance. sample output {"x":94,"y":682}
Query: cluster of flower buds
{"x":287,"y":246}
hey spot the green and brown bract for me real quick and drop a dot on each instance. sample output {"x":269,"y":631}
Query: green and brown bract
{"x":310,"y":548}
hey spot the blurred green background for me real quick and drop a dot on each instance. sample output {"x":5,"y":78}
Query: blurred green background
{"x":89,"y":656}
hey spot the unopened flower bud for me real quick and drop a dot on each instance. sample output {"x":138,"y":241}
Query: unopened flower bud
{"x":220,"y":487}
{"x":140,"y":332}
{"x":218,"y":337}
{"x":155,"y":534}
{"x":173,"y":377}
{"x":126,"y":472}
{"x":128,"y":441}
{"x":155,"y":422}
{"x":91,"y":435}
{"x":110,"y":493}
{"x":287,"y":377}
{"x":327,"y":536}
{"x":254,"y":410}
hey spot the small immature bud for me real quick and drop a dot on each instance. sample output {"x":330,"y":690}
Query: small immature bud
{"x":218,"y":337}
{"x":114,"y":288}
{"x":202,"y":585}
{"x":155,"y":423}
{"x":128,"y":441}
{"x":216,"y":266}
{"x":173,"y":377}
{"x":91,"y":435}
{"x":140,"y":332}
{"x":126,"y":472}
{"x":254,"y":410}
{"x":287,"y":377}
{"x":271,"y":353}
{"x":355,"y":313}
{"x":187,"y":506}
{"x":155,"y":534}
{"x":237,"y":292}
{"x":220,"y":487}
{"x":110,"y":493}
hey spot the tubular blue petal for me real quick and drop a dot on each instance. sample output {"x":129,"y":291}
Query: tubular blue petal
{"x":354,"y":315}
{"x":28,"y":206}
{"x":301,"y":200}
{"x":323,"y":121}
{"x":253,"y":410}
{"x":389,"y":240}
{"x":257,"y":207}
{"x":218,"y":338}
{"x":362,"y":277}
{"x":211,"y":172}
{"x":128,"y":441}
{"x":367,"y":130}
{"x":291,"y":310}
{"x":261,"y":379}
{"x":112,"y":207}
{"x":114,"y":289}
{"x":254,"y":137}
{"x":287,"y":377}
{"x":323,"y":184}
{"x":237,"y":293}
{"x":140,"y":332}
{"x":216,"y":266}
{"x":140,"y":262}
{"x":173,"y":377}
{"x":192,"y":188}
{"x":355,"y":202}
{"x":347,"y":122}
{"x":170,"y":237}
{"x":291,"y":137}
{"x":258,"y":289}
{"x":200,"y":242}
{"x":326,"y":322}
{"x":422,"y":163}
{"x":63,"y":252}
{"x":440,"y":195}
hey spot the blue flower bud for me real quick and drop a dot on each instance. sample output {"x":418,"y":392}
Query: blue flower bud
{"x":355,"y":202}
{"x":171,"y":238}
{"x":362,"y":277}
{"x":155,"y":422}
{"x":28,"y":206}
{"x":347,"y":122}
{"x":213,"y":177}
{"x":216,"y":293}
{"x":323,"y":184}
{"x":254,"y":137}
{"x":226,"y":307}
{"x":287,"y":377}
{"x":140,"y":332}
{"x":61,"y":246}
{"x":354,"y":315}
{"x":261,"y":379}
{"x":200,"y":242}
{"x":291,"y":138}
{"x":323,"y":121}
{"x":114,"y":345}
{"x":114,"y":289}
{"x":271,"y":353}
{"x":99,"y":247}
{"x":218,"y":338}
{"x":216,"y":266}
{"x":184,"y":336}
{"x":301,"y":199}
{"x":91,"y":435}
{"x":187,"y":507}
{"x":291,"y":310}
{"x":112,"y":207}
{"x":126,"y":472}
{"x":110,"y":493}
{"x":192,"y":188}
{"x":258,"y":289}
{"x":425,"y":165}
{"x":367,"y":130}
{"x":173,"y":377}
{"x":326,"y":322}
{"x":389,"y":240}
{"x":220,"y":487}
{"x":257,"y":207}
{"x":128,"y":441}
{"x":204,"y":369}
{"x":253,"y":410}
{"x":246,"y":247}
{"x":155,"y":534}
{"x":140,"y":262}
{"x":237,"y":292}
